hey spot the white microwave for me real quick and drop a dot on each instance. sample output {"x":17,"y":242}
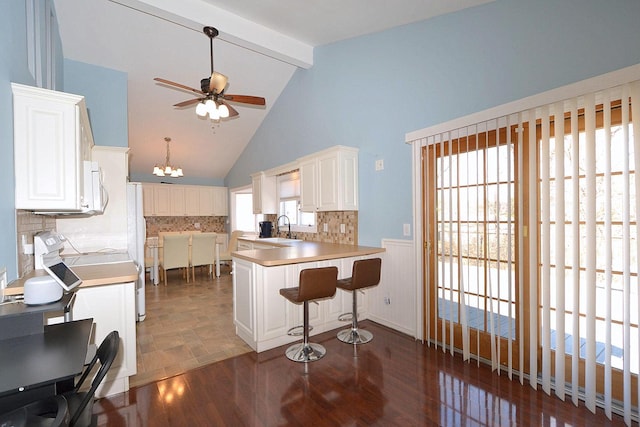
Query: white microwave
{"x":94,"y":197}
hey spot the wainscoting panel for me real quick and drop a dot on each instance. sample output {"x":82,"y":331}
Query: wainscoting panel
{"x":393,"y":302}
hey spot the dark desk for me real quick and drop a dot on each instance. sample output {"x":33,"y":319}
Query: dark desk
{"x":31,"y":365}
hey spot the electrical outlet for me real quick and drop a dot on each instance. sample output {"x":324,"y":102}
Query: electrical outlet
{"x":343,"y":228}
{"x":379,"y":164}
{"x":196,"y":225}
{"x":406,"y":229}
{"x":325,"y":227}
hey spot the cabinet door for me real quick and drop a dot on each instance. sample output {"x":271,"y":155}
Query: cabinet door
{"x":47,"y":150}
{"x":256,"y":193}
{"x":192,"y":201}
{"x":328,"y":183}
{"x":220,"y":204}
{"x":176,"y":201}
{"x":348,"y":184}
{"x":148,"y":207}
{"x":161,"y":200}
{"x":206,"y":201}
{"x":272,"y":319}
{"x":308,"y":186}
{"x":243,"y":302}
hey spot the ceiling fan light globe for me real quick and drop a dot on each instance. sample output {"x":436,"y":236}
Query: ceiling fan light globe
{"x":214,"y":114}
{"x":201,"y":109}
{"x":224,"y":111}
{"x":211,"y":106}
{"x":218,"y":82}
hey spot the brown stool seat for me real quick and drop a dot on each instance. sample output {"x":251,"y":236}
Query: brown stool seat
{"x":314,"y":284}
{"x":365,"y":273}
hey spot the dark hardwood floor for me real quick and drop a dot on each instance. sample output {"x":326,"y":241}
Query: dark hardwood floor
{"x":391,"y":381}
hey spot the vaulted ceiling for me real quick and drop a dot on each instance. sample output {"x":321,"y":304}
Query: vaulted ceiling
{"x":261,"y":43}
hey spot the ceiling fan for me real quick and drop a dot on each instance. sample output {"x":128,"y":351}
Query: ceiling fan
{"x":212,"y":98}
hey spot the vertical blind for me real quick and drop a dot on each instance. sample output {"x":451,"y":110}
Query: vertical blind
{"x":531,"y":222}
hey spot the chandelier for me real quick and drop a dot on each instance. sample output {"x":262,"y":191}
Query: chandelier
{"x":167,"y":169}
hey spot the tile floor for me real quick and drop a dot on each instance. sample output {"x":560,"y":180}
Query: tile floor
{"x":187,"y":325}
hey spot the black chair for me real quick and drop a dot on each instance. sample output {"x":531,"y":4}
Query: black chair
{"x":81,"y":402}
{"x":314,"y":284}
{"x":365,"y":273}
{"x":48,"y":412}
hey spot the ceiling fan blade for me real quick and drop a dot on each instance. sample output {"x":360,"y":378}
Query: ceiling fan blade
{"x":232,"y":111}
{"x":245,"y":99}
{"x":217,"y":82}
{"x":187,"y":103}
{"x":178,"y":85}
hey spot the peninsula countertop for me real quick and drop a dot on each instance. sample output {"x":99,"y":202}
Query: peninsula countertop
{"x":300,"y":251}
{"x":91,"y":275}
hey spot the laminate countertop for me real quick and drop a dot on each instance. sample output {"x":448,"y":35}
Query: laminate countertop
{"x":301,"y":251}
{"x":91,"y":275}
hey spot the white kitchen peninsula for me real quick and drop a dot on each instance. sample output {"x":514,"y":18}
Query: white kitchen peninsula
{"x":262,"y":316}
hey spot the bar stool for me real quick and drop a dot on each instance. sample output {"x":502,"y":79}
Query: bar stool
{"x":314,"y":284}
{"x":365,"y":273}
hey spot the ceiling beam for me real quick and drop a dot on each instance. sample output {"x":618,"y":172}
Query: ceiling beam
{"x":233,"y":28}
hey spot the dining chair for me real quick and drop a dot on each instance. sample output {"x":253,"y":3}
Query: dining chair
{"x":203,"y":251}
{"x":175,"y":254}
{"x":80,"y":403}
{"x":231,"y":247}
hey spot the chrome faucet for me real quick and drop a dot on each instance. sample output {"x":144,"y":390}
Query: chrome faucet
{"x":288,"y":224}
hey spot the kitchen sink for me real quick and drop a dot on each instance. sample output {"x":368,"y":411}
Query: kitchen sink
{"x":282,"y":240}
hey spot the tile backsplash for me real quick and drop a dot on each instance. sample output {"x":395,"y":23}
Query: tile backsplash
{"x":212,"y":224}
{"x":29,"y":224}
{"x":333,"y":234}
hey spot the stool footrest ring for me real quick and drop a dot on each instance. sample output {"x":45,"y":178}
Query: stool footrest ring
{"x":345,"y":317}
{"x":298,"y":331}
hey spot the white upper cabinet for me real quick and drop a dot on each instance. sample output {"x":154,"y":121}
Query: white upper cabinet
{"x":184,"y":200}
{"x":264,"y":194}
{"x":192,"y":201}
{"x":329,"y":180}
{"x":52,"y":138}
{"x":220,"y":203}
{"x":205,"y":201}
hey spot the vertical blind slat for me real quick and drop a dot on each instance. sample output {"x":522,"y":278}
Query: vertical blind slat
{"x":608,"y":252}
{"x":590,"y":276}
{"x":546,"y":250}
{"x":635,"y":100}
{"x":575,"y":261}
{"x":533,"y":252}
{"x":626,"y":237}
{"x":560,"y":245}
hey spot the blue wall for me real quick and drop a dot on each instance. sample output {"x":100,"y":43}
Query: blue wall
{"x":105,"y":92}
{"x":368,"y":92}
{"x":13,"y":68}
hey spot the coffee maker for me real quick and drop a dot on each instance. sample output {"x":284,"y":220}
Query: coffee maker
{"x":265,"y":229}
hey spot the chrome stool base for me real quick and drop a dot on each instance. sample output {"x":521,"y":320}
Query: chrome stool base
{"x":355,"y":336}
{"x":309,"y":353}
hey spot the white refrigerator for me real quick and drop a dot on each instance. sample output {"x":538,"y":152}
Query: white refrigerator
{"x":136,"y":237}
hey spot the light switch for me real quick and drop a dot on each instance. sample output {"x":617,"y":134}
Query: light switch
{"x":406,"y":229}
{"x":325,"y":227}
{"x":379,"y":164}
{"x":343,"y":229}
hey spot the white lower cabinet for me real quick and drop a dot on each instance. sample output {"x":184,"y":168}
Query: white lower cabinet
{"x":112,"y":308}
{"x":262,"y":316}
